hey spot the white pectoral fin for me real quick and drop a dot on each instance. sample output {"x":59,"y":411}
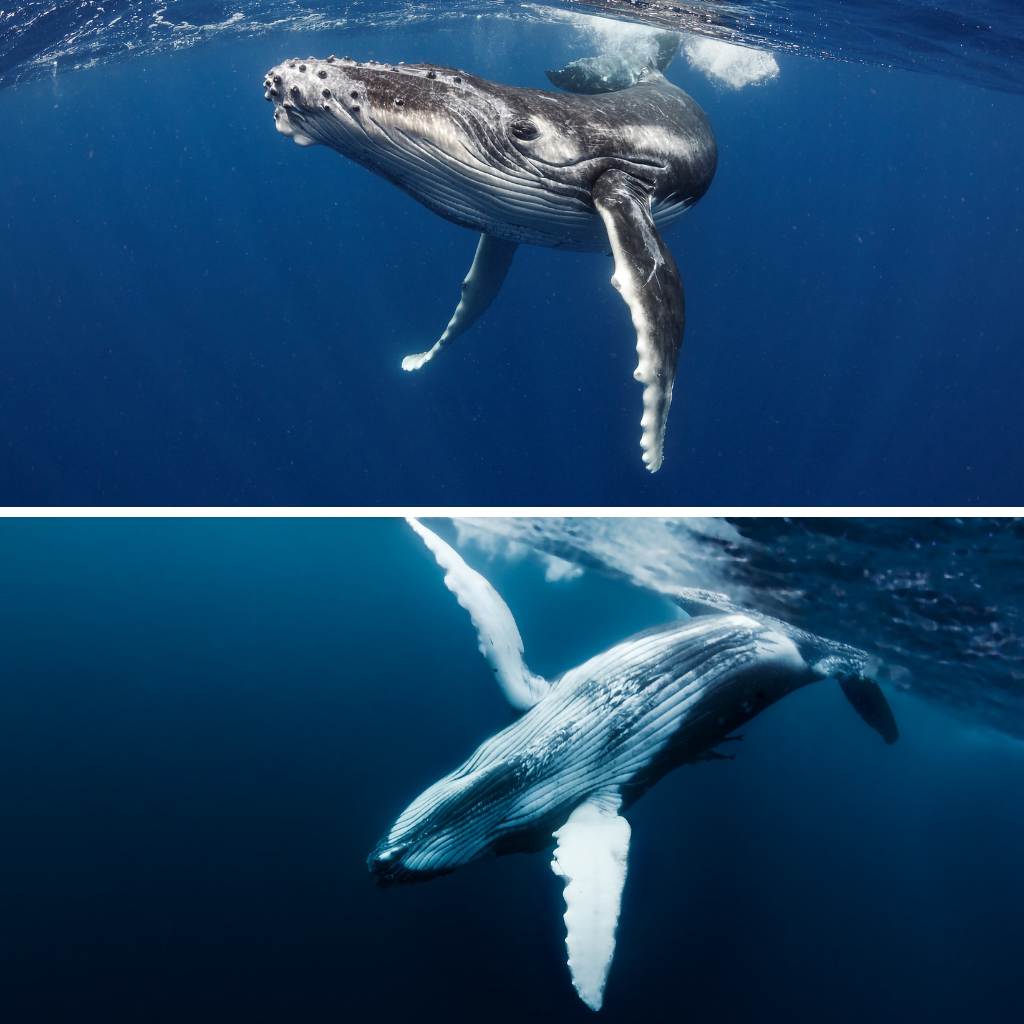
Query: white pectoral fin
{"x":648,"y":280}
{"x":498,"y":635}
{"x":484,"y":280}
{"x":593,"y":847}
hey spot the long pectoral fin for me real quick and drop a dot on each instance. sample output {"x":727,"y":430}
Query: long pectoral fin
{"x":490,"y":265}
{"x":497,"y":633}
{"x":593,"y":847}
{"x":648,"y":280}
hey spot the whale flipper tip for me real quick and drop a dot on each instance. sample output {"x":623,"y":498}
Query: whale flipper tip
{"x":652,"y":462}
{"x":417,"y":360}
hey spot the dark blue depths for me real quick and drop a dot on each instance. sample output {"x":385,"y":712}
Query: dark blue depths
{"x":207,"y":725}
{"x":197,"y":311}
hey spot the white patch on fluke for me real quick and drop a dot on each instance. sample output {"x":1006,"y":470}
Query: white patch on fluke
{"x":593,"y":846}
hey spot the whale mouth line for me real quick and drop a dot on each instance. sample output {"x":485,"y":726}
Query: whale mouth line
{"x":388,"y":868}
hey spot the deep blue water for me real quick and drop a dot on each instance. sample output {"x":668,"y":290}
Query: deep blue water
{"x":196,"y":311}
{"x":208,"y":724}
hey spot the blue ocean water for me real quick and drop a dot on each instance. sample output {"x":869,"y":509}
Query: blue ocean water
{"x":208,"y":724}
{"x":196,"y":311}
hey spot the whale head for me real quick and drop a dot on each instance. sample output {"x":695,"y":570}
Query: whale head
{"x":430,"y":837}
{"x":459,"y":819}
{"x":368,"y":111}
{"x":475,"y":152}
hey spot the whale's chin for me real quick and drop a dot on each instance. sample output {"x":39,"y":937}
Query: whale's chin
{"x":387,"y":873}
{"x":284,"y":124}
{"x":404,"y":878}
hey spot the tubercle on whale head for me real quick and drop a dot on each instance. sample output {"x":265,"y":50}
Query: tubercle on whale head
{"x":308,"y":94}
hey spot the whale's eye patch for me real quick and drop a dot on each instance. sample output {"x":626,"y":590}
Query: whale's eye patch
{"x":524,"y":129}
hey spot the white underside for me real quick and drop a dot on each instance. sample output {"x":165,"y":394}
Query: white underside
{"x":593,"y":846}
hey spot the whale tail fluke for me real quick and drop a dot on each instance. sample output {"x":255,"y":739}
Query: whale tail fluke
{"x":866,"y":698}
{"x":612,"y":71}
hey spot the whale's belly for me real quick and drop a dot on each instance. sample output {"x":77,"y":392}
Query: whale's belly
{"x":518,"y":211}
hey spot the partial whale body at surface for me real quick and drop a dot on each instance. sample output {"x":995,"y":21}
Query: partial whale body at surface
{"x":606,"y":166}
{"x":590,"y":743}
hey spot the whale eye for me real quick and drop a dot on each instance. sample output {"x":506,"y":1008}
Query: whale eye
{"x":524,"y":129}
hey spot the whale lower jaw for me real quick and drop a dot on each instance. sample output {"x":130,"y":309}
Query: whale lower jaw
{"x":283,"y":123}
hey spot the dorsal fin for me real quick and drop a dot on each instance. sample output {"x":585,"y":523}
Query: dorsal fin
{"x":497,"y":633}
{"x":611,"y":72}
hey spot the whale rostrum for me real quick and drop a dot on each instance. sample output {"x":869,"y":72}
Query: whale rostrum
{"x":606,"y":166}
{"x":589,"y":743}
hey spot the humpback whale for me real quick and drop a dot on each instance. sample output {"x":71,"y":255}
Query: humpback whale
{"x":605,"y":166}
{"x":589,"y":743}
